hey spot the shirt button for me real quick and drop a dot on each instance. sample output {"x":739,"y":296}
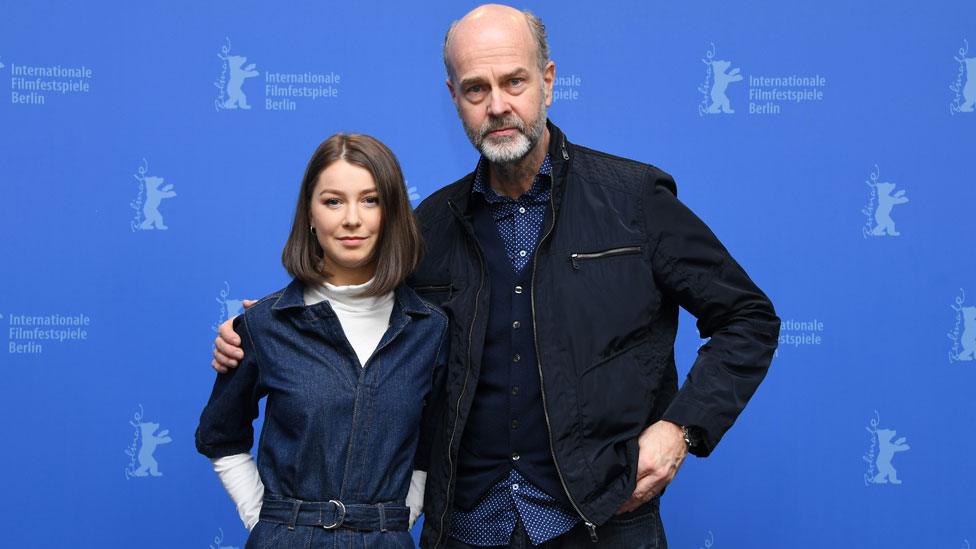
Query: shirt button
{"x":515,"y":457}
{"x":521,"y":210}
{"x":514,"y":424}
{"x":517,"y":357}
{"x":522,"y":253}
{"x":515,"y":486}
{"x":516,"y":324}
{"x":518,"y":289}
{"x":515,"y":390}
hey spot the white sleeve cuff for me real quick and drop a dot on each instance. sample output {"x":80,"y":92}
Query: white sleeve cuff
{"x":239,"y":475}
{"x":415,"y":496}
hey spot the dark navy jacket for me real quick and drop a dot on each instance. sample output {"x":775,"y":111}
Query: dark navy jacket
{"x":618,"y":257}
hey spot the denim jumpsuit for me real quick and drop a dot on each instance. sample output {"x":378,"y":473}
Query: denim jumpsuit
{"x":339,"y":441}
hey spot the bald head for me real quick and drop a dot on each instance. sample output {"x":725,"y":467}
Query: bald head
{"x":492,"y":25}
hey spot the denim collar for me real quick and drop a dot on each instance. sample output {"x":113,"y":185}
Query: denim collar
{"x":293,"y":296}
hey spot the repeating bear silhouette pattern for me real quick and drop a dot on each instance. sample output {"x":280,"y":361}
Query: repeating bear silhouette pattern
{"x":722,"y":77}
{"x":150,"y":440}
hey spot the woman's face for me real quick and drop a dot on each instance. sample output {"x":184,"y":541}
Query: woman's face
{"x":346,"y":214}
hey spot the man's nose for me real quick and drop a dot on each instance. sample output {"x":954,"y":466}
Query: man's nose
{"x":498,"y":103}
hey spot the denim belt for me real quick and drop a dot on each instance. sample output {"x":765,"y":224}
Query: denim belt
{"x":334,"y":514}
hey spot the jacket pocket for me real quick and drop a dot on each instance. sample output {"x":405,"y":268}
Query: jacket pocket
{"x":437,"y":294}
{"x":615,"y":400}
{"x":578,"y":258}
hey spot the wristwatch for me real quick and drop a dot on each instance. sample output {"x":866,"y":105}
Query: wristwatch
{"x":692,"y":436}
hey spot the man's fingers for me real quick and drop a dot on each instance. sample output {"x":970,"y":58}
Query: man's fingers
{"x":649,"y":486}
{"x":228,"y":349}
{"x":629,"y":505}
{"x":226,"y":332}
{"x":223,"y":360}
{"x":218,"y":367}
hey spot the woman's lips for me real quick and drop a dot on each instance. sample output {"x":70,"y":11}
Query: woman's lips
{"x":352,"y":241}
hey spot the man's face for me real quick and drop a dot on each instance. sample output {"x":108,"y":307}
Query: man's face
{"x":499,"y":92}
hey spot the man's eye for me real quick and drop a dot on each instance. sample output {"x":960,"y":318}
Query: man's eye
{"x":476,"y":89}
{"x":516,"y":81}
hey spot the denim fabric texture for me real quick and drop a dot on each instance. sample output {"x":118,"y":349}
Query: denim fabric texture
{"x":333,"y":430}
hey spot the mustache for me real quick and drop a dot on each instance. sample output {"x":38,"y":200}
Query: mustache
{"x":510,"y":121}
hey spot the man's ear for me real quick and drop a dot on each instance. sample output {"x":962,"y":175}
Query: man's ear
{"x":549,"y":77}
{"x":450,"y":88}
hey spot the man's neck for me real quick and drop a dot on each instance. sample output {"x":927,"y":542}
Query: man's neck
{"x":514,"y":180}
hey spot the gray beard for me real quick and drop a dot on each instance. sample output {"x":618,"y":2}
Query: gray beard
{"x":509,"y":150}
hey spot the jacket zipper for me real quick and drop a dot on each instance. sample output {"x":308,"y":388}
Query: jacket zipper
{"x":576,"y":258}
{"x":542,"y":386}
{"x":464,"y":387}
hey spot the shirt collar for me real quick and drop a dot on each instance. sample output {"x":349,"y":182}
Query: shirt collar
{"x":293,"y":298}
{"x":541,"y":183}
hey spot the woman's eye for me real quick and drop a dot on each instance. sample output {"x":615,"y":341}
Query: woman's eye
{"x":332,"y":202}
{"x":372,"y":200}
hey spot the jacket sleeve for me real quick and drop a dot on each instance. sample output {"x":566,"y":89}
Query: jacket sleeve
{"x":693,"y":269}
{"x":434,"y":404}
{"x":226,"y":422}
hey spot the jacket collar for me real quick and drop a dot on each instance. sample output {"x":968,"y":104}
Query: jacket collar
{"x":409,"y":302}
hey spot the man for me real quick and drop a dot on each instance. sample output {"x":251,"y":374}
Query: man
{"x":561,"y":269}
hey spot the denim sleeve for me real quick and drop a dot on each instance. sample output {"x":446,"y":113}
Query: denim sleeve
{"x":694,"y":269}
{"x":433,"y":404}
{"x":226,"y":423}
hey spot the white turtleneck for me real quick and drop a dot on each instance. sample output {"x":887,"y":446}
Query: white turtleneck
{"x":364,"y":320}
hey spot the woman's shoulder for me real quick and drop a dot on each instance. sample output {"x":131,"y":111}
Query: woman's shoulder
{"x":263,"y":310}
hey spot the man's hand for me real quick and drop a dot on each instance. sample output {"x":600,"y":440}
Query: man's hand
{"x":661,"y":450}
{"x":227,"y":346}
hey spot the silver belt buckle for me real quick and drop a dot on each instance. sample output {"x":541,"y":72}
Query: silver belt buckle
{"x":342,"y":515}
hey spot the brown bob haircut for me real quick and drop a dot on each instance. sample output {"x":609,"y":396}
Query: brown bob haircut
{"x":398,"y":247}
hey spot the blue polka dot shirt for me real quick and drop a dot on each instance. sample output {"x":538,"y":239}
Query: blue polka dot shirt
{"x":493,"y":519}
{"x":519,"y":220}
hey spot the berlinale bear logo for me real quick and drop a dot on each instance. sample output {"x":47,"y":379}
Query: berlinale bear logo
{"x":142,"y":449}
{"x":878,"y":209}
{"x":150,"y":439}
{"x":883,"y":448}
{"x":968,"y":339}
{"x":152,"y":191}
{"x":229,"y":307}
{"x":722,"y":79}
{"x":230,"y":84}
{"x":718,"y":76}
{"x":887,"y":450}
{"x":963,"y":333}
{"x":963,"y":87}
{"x":969,"y":90}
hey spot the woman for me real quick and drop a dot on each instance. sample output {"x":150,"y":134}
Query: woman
{"x":346,"y":356}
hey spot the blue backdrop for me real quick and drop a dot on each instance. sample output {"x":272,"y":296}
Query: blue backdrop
{"x":152,"y":152}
